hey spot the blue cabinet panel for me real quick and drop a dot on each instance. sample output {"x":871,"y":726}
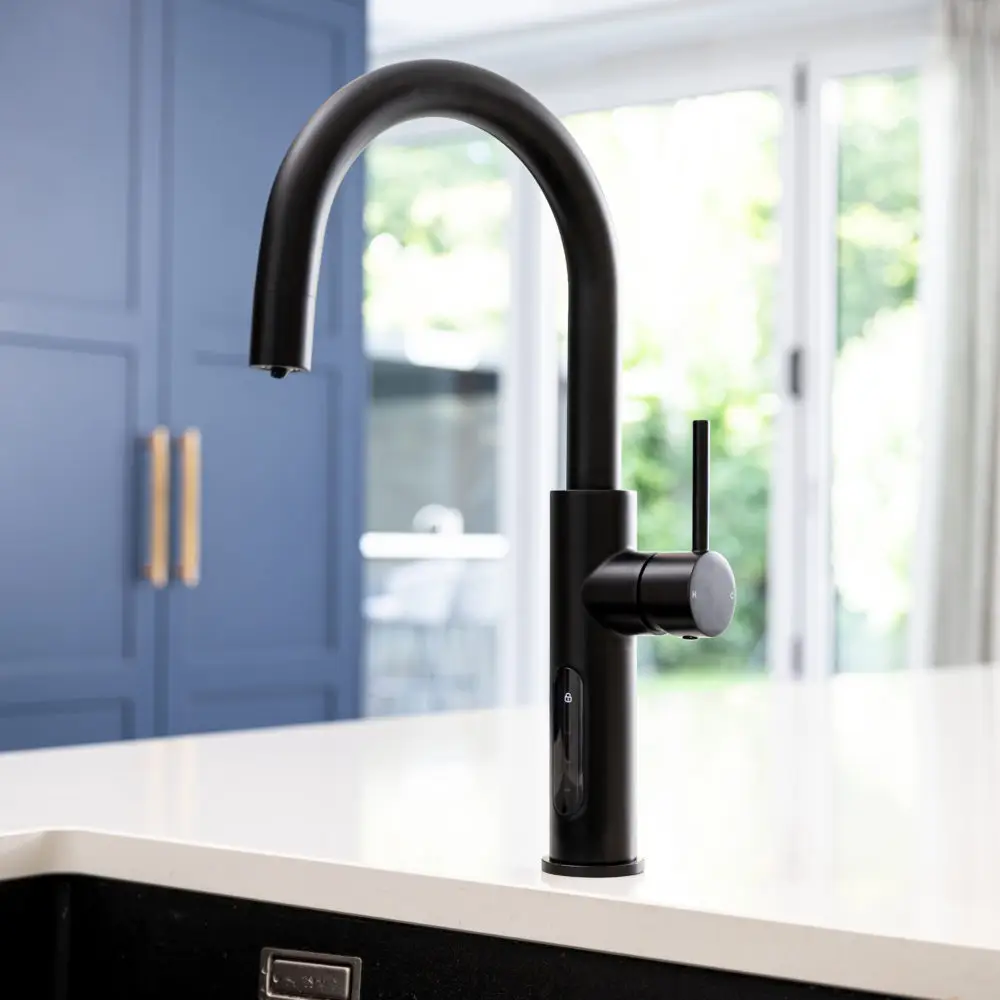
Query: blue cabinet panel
{"x":279,"y":705}
{"x":265,"y":588}
{"x":79,"y":90}
{"x":246,"y":80}
{"x":65,"y":590}
{"x":271,"y":633}
{"x":68,"y":103}
{"x":61,"y":723}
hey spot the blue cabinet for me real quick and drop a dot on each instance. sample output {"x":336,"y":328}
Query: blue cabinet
{"x":139,"y":140}
{"x":270,"y":633}
{"x":79,"y":298}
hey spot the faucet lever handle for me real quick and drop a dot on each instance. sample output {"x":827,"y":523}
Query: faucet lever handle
{"x":700,"y":485}
{"x":690,"y":594}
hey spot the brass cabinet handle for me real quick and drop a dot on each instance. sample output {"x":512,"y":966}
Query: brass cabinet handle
{"x":157,"y":569}
{"x":189,"y":566}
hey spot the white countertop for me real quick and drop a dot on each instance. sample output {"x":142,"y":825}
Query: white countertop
{"x":845,"y":833}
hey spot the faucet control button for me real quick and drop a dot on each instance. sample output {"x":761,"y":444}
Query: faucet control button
{"x":568,"y":705}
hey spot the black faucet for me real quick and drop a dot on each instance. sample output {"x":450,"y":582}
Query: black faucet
{"x":603,"y":592}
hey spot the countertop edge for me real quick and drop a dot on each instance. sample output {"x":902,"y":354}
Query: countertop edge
{"x":755,"y":946}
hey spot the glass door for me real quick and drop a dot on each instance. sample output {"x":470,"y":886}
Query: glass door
{"x":769,"y":244}
{"x":436,"y":312}
{"x":694,"y":188}
{"x":872,"y":126}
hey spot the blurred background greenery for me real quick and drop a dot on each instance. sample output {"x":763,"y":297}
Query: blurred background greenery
{"x":878,"y":376}
{"x":694,"y":189}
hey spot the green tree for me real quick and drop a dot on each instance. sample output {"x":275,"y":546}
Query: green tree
{"x":436,"y":260}
{"x":403,"y":179}
{"x":879,"y":214}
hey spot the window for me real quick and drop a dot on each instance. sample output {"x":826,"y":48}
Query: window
{"x":769,"y":250}
{"x":693,"y":188}
{"x":436,"y":303}
{"x":877,"y":367}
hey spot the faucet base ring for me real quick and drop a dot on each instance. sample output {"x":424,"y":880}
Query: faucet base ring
{"x":634,"y":867}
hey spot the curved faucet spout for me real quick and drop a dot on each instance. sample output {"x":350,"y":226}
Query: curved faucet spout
{"x":315,"y":165}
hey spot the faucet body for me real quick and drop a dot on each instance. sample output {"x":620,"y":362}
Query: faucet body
{"x":603,"y":592}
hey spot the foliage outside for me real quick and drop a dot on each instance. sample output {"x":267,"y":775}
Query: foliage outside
{"x":694,"y":190}
{"x":878,"y":373}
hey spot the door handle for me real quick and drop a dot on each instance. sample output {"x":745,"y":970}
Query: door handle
{"x":189,"y":565}
{"x":157,"y":568}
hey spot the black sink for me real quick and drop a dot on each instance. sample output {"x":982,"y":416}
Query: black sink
{"x":64,"y":937}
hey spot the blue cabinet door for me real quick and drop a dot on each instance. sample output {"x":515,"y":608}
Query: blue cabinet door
{"x":270,"y":633}
{"x":78,"y":326}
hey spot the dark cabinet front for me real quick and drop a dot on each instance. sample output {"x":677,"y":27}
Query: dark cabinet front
{"x":139,"y":141}
{"x":76,"y":936}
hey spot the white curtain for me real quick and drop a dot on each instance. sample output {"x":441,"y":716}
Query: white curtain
{"x":962,"y":588}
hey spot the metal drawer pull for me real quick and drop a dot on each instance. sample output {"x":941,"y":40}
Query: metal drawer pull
{"x":157,"y":569}
{"x":189,"y":566}
{"x":304,"y":975}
